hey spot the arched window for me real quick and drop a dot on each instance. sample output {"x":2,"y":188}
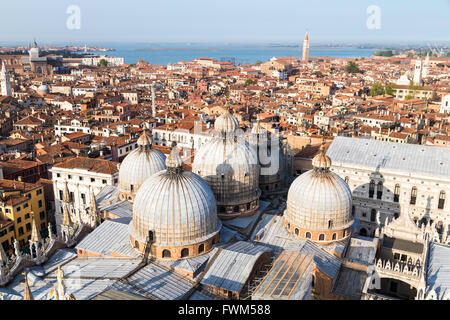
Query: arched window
{"x":201,"y":248}
{"x":347,"y":179}
{"x":184,"y":252}
{"x":330,"y":224}
{"x":312,"y":281}
{"x":373,"y":215}
{"x":136,"y":244}
{"x":308,"y":235}
{"x":321,"y":237}
{"x":334,"y":236}
{"x":353,"y":211}
{"x":296,"y":231}
{"x":166,"y":253}
{"x":441,"y":200}
{"x":380,"y":190}
{"x":363,"y":232}
{"x":397,"y":193}
{"x":236,"y":208}
{"x":371,"y":188}
{"x":395,"y":215}
{"x":413,"y":196}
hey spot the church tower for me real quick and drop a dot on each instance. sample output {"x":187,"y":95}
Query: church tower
{"x":418,"y":72}
{"x":5,"y":85}
{"x":305,"y":56}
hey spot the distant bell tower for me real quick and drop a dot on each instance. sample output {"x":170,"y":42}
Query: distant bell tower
{"x":5,"y":85}
{"x":418,"y":72}
{"x":305,"y":56}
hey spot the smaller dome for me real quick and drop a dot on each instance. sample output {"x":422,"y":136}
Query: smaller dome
{"x":43,"y":89}
{"x":226,"y":123}
{"x":139,"y":165}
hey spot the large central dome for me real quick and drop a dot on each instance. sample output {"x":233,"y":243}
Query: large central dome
{"x":139,"y":165}
{"x":230,"y":166}
{"x":179,"y":207}
{"x":319,"y":204}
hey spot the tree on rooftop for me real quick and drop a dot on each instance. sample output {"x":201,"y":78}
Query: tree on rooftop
{"x":352,"y":67}
{"x":389,"y":90}
{"x":249,"y":81}
{"x":376,"y":89}
{"x":103,"y":63}
{"x":318,"y":74}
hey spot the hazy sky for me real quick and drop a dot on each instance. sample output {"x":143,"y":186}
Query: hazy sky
{"x":223,"y":21}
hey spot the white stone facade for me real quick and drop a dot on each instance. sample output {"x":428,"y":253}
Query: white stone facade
{"x":79,"y":183}
{"x":431,"y":193}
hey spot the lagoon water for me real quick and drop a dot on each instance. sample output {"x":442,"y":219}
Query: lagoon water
{"x":163,"y":54}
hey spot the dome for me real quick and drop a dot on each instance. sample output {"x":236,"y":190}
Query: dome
{"x":226,"y":123}
{"x":319,"y":204}
{"x":180,"y":208}
{"x":43,"y":89}
{"x":139,"y":165}
{"x":230,"y":166}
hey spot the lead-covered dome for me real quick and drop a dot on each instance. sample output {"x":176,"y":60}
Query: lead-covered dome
{"x":230,"y":167}
{"x":180,"y":208}
{"x":319,"y":204}
{"x":139,"y":165}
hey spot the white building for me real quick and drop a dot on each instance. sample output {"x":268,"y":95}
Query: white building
{"x":164,"y":136}
{"x":95,"y":60}
{"x":82,"y":177}
{"x":70,"y":126}
{"x":445,"y":104}
{"x":390,"y":179}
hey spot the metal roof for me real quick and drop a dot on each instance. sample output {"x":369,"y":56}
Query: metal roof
{"x":157,"y":280}
{"x":112,"y":294}
{"x":97,"y":268}
{"x":121,"y":209}
{"x":290,"y":278}
{"x":427,"y":160}
{"x":350,"y":283}
{"x":110,"y":236}
{"x":232,"y":267}
{"x":403,"y":245}
{"x":60,"y":256}
{"x":438,"y":268}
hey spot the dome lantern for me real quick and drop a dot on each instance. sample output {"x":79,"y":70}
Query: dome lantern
{"x":226,"y":124}
{"x":174,"y":163}
{"x":321,"y":162}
